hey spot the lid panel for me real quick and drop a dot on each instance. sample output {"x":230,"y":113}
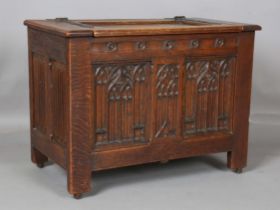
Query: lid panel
{"x":137,"y":27}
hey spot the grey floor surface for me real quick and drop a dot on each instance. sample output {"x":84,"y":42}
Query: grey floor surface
{"x":198,"y":183}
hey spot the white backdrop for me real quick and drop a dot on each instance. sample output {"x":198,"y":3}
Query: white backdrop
{"x":13,"y":44}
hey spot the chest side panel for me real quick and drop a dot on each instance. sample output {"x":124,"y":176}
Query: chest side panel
{"x":50,"y":86}
{"x":49,"y":94}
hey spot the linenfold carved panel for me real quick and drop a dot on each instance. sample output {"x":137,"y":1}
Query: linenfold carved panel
{"x":50,"y":87}
{"x":166,"y":99}
{"x":40,"y":88}
{"x":120,"y":101}
{"x":59,"y":100}
{"x":208,"y":94}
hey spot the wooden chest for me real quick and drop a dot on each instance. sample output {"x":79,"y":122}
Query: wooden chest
{"x":114,"y":93}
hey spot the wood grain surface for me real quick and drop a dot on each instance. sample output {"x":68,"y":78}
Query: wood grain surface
{"x":113,"y":93}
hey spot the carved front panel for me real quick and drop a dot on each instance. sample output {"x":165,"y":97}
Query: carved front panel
{"x":121,"y":102}
{"x":208,"y":94}
{"x":167,"y":93}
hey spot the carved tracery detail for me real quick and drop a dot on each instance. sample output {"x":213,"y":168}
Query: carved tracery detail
{"x":121,"y":96}
{"x":167,"y":99}
{"x":208,"y":94}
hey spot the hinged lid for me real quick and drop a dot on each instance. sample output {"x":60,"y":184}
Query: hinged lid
{"x":135,"y":27}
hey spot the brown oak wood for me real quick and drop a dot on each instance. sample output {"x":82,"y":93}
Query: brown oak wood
{"x":237,"y":157}
{"x":113,"y":93}
{"x":80,"y":142}
{"x":130,"y":27}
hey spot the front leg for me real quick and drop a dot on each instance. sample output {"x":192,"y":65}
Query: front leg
{"x":79,"y":177}
{"x":80,"y":140}
{"x":237,"y":157}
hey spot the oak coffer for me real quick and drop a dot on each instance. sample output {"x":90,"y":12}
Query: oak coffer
{"x":114,"y":93}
